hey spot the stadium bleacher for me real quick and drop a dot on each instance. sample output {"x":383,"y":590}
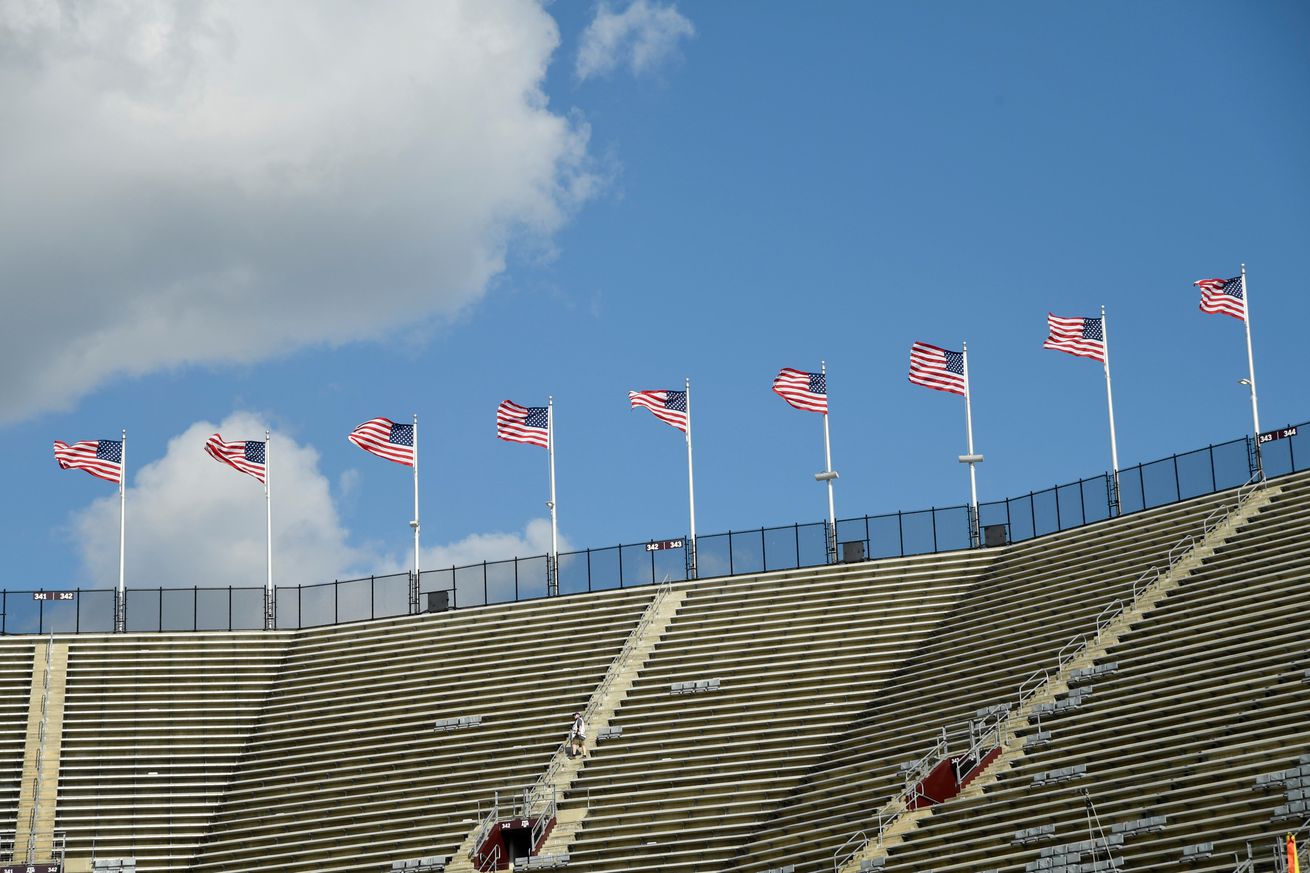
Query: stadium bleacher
{"x":762,"y":724}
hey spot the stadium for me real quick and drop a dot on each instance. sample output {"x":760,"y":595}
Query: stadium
{"x":415,"y":562}
{"x":1075,"y":693}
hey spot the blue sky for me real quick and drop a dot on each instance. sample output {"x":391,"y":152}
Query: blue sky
{"x":757,"y":185}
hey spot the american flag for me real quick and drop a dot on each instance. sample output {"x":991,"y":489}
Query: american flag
{"x":247,"y":457}
{"x":669,"y":407}
{"x":386,"y":439}
{"x":808,"y":391}
{"x":1223,"y":296}
{"x":937,"y":368}
{"x":100,"y":458}
{"x":523,"y":424}
{"x":1084,"y":337}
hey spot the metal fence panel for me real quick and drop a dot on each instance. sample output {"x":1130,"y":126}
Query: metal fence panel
{"x":247,"y":608}
{"x":318,"y":605}
{"x":470,"y":585}
{"x":391,"y":595}
{"x":531,"y":575}
{"x":781,"y":548}
{"x":952,"y":524}
{"x":747,"y":551}
{"x":813,"y":539}
{"x":713,"y":555}
{"x":604,"y":569}
{"x":142,"y":609}
{"x":574,"y":572}
{"x":1159,"y":483}
{"x":918,"y":532}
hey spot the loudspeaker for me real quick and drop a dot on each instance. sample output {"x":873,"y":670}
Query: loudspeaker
{"x":994,"y":535}
{"x":852,"y":552}
{"x":438,"y":601}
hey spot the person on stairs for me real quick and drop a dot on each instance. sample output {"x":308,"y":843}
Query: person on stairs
{"x":578,"y":736}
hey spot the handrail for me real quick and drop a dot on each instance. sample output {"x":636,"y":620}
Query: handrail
{"x":1028,"y":688}
{"x":491,"y":861}
{"x":838,"y":860}
{"x":40,"y":753}
{"x":484,"y":828}
{"x":535,"y":795}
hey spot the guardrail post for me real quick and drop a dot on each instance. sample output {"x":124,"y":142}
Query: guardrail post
{"x":161,"y":608}
{"x":195,"y":608}
{"x":764,"y":553}
{"x":1178,"y":486}
{"x":336,"y":601}
{"x":372,"y":598}
{"x":933,"y":513}
{"x":730,"y":568}
{"x":900,"y":531}
{"x":486,"y":596}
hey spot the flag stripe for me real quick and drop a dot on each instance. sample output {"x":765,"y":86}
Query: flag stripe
{"x":669,"y":407}
{"x":1084,"y":337}
{"x":937,"y":368}
{"x":807,"y":391}
{"x":244,"y":457}
{"x":386,"y":439}
{"x":1223,"y":296}
{"x":101,"y":458}
{"x":523,"y":424}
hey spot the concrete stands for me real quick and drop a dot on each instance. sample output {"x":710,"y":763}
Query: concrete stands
{"x":347,"y":764}
{"x":16,"y":657}
{"x":752,"y":682}
{"x":153,"y":728}
{"x":1207,"y":696}
{"x":1015,"y":620}
{"x":736,"y":725}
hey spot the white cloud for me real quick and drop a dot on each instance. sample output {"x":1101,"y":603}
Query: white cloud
{"x":216,"y":182}
{"x":193,"y":521}
{"x":641,"y":37}
{"x":533,"y":540}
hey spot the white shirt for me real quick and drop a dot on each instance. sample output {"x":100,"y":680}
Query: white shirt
{"x":580,"y":727}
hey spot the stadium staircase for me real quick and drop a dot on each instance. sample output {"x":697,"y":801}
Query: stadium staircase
{"x":1170,"y":738}
{"x":546,"y":801}
{"x":783,"y":661}
{"x":34,"y":839}
{"x":345,"y":770}
{"x":1014,"y":621}
{"x":1062,"y":686}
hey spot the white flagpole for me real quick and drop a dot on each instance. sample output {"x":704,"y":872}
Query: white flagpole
{"x":829,"y":475}
{"x":968,"y":423}
{"x":691,"y":492}
{"x":552,"y":582}
{"x":1250,"y":364}
{"x":1109,"y":402}
{"x":414,"y":524}
{"x":120,"y":611}
{"x":269,"y":621}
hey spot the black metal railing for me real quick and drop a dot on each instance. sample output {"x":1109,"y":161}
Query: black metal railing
{"x":938,"y":529}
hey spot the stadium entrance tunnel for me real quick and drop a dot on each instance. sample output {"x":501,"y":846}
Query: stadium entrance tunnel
{"x":511,"y":839}
{"x":948,"y":778}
